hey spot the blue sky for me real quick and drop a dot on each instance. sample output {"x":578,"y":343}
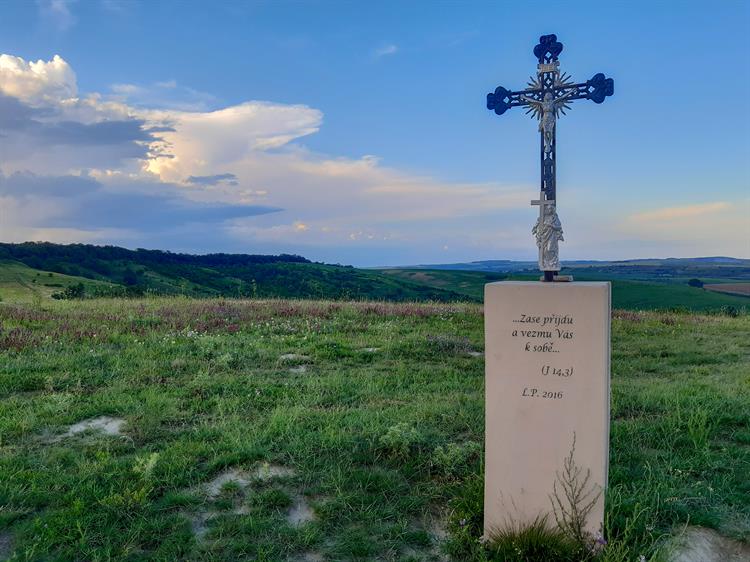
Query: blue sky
{"x":357,"y":132}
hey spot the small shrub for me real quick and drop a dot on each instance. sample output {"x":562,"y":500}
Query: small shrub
{"x":399,"y":440}
{"x":71,"y":292}
{"x":466,"y":523}
{"x":448,"y":343}
{"x":17,"y":338}
{"x":699,"y":428}
{"x":628,"y":315}
{"x":455,"y":460}
{"x":573,"y":498}
{"x":695,"y":283}
{"x":729,"y":310}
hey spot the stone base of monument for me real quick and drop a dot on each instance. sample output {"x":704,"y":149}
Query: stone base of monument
{"x":547,"y":353}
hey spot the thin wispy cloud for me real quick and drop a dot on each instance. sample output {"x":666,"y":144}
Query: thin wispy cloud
{"x":689,"y":230}
{"x":166,"y":94}
{"x":385,"y":50}
{"x":459,"y":38}
{"x":57,"y":12}
{"x":216,"y":179}
{"x":117,"y":7}
{"x":681,"y":212}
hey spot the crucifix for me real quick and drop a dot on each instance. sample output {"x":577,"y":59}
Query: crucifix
{"x":548,"y":95}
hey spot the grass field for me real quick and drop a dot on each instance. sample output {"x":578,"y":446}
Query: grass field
{"x":20,"y":283}
{"x":130,"y":273}
{"x":639,"y":295}
{"x":304,"y":430}
{"x":469,"y":283}
{"x":626,"y":294}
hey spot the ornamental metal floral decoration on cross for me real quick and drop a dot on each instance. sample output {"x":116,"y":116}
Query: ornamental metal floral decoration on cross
{"x":548,"y":96}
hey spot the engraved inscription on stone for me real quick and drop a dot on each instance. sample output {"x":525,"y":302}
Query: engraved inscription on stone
{"x":547,"y":384}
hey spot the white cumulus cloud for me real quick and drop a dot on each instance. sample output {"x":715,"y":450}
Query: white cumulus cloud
{"x":39,"y":82}
{"x":243,"y":164}
{"x":99,"y":167}
{"x":202,"y":142}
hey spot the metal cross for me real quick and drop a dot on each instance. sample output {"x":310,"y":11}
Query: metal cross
{"x":549,"y":94}
{"x":542,"y":201}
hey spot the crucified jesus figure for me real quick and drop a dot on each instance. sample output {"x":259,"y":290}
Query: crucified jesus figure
{"x":546,"y":111}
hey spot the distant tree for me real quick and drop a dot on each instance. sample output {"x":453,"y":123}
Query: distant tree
{"x":76,"y":291}
{"x":130,"y":277}
{"x":695,"y":283}
{"x":730,"y":310}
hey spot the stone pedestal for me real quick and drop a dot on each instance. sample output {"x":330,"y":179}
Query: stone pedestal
{"x":547,"y":352}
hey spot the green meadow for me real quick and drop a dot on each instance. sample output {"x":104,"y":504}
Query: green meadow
{"x":20,"y":283}
{"x":641,"y":294}
{"x":32,"y":272}
{"x":275,"y":430}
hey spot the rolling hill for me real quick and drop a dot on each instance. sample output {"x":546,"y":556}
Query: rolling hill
{"x":628,"y":291}
{"x":113,"y":271}
{"x":38,"y":270}
{"x":21,"y":283}
{"x":654,"y":269}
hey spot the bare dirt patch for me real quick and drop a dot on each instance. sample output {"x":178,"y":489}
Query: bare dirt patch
{"x":233,"y":476}
{"x":293,"y":357}
{"x":268,"y":471}
{"x":243,"y":480}
{"x":300,"y":512}
{"x":435,"y":523}
{"x":103,"y":424}
{"x":437,"y":527}
{"x":299,"y":369}
{"x":6,"y":546}
{"x":698,"y":544}
{"x":198,"y":524}
{"x":307,"y":557}
{"x":742,"y":289}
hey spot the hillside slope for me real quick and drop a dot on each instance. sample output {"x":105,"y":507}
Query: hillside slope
{"x":626,"y":293}
{"x":21,"y":283}
{"x":212,"y":275}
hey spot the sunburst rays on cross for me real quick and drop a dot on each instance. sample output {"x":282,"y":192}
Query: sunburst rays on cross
{"x":563,"y":81}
